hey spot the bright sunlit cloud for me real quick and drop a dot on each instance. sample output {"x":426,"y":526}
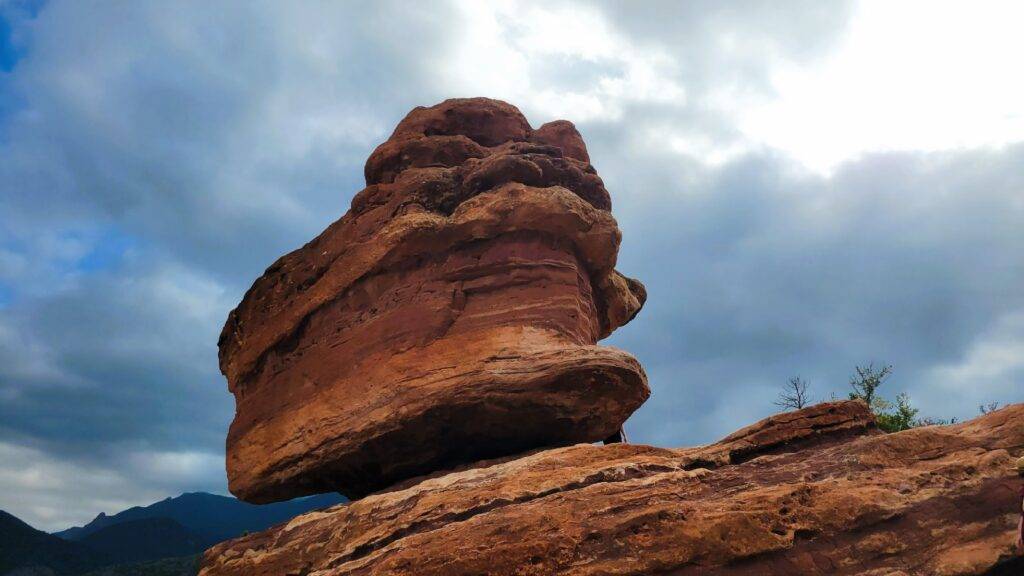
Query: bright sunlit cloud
{"x":562,"y":61}
{"x":908,"y":76}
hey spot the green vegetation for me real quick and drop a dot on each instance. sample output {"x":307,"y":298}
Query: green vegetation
{"x":866,"y":382}
{"x":892,"y":416}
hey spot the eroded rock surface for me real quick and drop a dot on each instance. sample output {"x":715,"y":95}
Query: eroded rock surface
{"x":817,"y":491}
{"x":450,"y":315}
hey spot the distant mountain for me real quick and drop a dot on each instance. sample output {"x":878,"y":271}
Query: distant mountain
{"x":185,"y":566}
{"x":31,"y":551}
{"x":173,"y":531}
{"x":144,"y":540}
{"x":211,"y":517}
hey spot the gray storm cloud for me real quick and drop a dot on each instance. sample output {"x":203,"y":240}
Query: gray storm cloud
{"x":158,"y":157}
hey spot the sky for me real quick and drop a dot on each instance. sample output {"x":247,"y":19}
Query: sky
{"x":803,"y":187}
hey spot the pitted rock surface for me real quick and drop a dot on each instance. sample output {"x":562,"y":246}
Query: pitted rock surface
{"x":451,"y":315}
{"x":818,"y":491}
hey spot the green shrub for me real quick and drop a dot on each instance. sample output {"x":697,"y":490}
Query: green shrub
{"x":896,"y":417}
{"x":890,"y":416}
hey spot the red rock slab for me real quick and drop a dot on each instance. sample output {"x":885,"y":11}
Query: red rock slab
{"x":831,"y":496}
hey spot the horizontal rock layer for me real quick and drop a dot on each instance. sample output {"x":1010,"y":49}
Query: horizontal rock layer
{"x":817,"y":491}
{"x":450,"y":315}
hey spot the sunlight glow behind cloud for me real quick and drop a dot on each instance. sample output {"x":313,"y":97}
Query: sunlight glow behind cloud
{"x":510,"y":51}
{"x":921,"y":75}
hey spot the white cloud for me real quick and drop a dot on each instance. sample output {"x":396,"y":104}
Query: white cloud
{"x":175,"y":468}
{"x":515,"y":51}
{"x":52,"y":493}
{"x":991,"y":370}
{"x":924,"y":75}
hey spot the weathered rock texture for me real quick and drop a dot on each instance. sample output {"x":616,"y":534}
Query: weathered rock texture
{"x":450,"y":315}
{"x":818,"y":491}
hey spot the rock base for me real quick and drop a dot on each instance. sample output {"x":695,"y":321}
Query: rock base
{"x":815,"y":491}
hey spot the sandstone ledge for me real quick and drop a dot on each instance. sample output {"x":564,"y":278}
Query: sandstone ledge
{"x":817,"y":491}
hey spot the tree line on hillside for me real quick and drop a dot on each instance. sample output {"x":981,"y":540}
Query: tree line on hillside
{"x":892,"y":416}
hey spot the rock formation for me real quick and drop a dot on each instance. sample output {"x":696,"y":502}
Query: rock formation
{"x":434,"y":352}
{"x":450,"y":315}
{"x":817,"y":491}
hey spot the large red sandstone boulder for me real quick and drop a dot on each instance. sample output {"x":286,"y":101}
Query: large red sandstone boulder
{"x":817,"y":491}
{"x":450,"y":315}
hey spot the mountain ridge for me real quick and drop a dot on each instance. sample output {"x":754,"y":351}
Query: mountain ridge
{"x":144,"y":540}
{"x":22,"y":546}
{"x":165,"y":535}
{"x":211,"y":516}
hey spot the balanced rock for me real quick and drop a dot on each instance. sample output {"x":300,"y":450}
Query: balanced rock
{"x":816,"y":491}
{"x":451,"y":315}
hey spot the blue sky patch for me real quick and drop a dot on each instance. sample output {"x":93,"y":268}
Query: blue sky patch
{"x":9,"y":55}
{"x":10,"y":51}
{"x":108,"y":250}
{"x":6,"y":295}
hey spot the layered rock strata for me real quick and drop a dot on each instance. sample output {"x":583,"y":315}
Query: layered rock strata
{"x":450,"y":315}
{"x":817,"y":491}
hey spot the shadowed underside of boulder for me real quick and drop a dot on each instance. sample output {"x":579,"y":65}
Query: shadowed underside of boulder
{"x":816,"y":491}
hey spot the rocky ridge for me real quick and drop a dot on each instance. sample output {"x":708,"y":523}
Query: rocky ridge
{"x":817,"y":491}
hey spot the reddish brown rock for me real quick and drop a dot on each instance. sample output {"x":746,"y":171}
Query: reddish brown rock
{"x":450,"y":315}
{"x":817,"y":491}
{"x":563,"y":135}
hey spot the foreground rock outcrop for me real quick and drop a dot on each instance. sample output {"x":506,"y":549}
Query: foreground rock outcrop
{"x":450,"y":315}
{"x":817,"y":491}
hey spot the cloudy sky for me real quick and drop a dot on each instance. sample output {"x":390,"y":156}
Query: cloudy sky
{"x":802,"y":186}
